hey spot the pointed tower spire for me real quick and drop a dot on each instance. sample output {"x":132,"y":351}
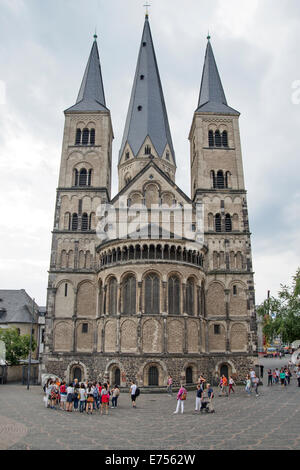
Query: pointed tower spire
{"x":147,"y":114}
{"x":91,"y":94}
{"x":212,"y":98}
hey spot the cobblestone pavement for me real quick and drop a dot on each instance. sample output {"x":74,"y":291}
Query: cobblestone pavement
{"x":271,"y":421}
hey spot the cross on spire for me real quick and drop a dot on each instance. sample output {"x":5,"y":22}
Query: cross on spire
{"x":147,"y":5}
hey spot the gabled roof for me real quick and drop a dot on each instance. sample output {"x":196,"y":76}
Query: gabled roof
{"x":212,"y":98}
{"x":91,"y":94}
{"x":162,"y":173}
{"x":16,"y":306}
{"x":147,"y":114}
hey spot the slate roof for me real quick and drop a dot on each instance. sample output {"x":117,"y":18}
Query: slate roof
{"x":152,"y":119}
{"x":212,"y":98}
{"x":16,"y":306}
{"x":91,"y":94}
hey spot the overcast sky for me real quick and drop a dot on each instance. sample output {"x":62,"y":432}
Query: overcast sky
{"x":44,"y":47}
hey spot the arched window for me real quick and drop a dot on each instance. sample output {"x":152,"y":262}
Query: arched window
{"x":189,"y":375}
{"x":83,"y":177}
{"x":112,"y":295}
{"x":84,"y":222}
{"x":129,"y":295}
{"x":218,"y":225}
{"x":174,"y":296}
{"x":227,"y":179}
{"x":152,"y":294}
{"x":190,"y":288}
{"x":220,"y":179}
{"x":85,"y":136}
{"x":90,"y":178}
{"x":74,"y":222}
{"x":224,"y":139}
{"x":92,"y":137}
{"x":153,"y":376}
{"x":78,"y":137}
{"x":228,"y":223}
{"x":211,"y":139}
{"x":213,"y":179}
{"x":76,"y":177}
{"x":218,"y":141}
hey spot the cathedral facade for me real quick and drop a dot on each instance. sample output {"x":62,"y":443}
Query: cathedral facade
{"x":151,"y":282}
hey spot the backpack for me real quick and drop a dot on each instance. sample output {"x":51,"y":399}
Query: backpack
{"x":137,"y":392}
{"x":95,"y":392}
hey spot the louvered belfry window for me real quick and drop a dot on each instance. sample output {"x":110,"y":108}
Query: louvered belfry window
{"x":129,"y":295}
{"x":228,"y":223}
{"x":152,"y":294}
{"x":211,"y":139}
{"x":85,"y":136}
{"x":92,"y":137}
{"x":84,"y":222}
{"x":218,"y":142}
{"x":83,"y":177}
{"x":218,"y":223}
{"x":78,"y":137}
{"x":174,"y":296}
{"x":74,"y":222}
{"x":224,"y":139}
{"x":220,"y":180}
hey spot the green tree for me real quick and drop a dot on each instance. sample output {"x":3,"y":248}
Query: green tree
{"x":17,"y":346}
{"x":281,"y":315}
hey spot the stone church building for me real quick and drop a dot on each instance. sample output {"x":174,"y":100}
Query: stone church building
{"x":157,"y":303}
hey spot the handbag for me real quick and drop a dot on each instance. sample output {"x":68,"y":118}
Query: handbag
{"x":183,"y":396}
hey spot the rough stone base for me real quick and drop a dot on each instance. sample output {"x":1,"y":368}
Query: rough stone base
{"x":132,"y":367}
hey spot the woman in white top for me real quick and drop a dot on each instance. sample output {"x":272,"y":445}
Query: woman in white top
{"x":70,"y":397}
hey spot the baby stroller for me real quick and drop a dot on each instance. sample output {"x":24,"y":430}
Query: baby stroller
{"x":206,"y":406}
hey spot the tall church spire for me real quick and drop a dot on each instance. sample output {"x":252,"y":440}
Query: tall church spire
{"x":91,"y":94}
{"x":147,"y":114}
{"x":212,"y":98}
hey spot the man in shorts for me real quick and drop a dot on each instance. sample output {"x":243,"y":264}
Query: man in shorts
{"x":133,"y":388}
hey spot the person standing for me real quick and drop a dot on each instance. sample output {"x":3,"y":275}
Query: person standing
{"x":63,"y":395}
{"x":256,"y":384}
{"x":224,"y":385}
{"x":282,"y":378}
{"x":115,"y":395}
{"x":104,"y":399}
{"x":198,"y":397}
{"x":270,"y":377}
{"x":210,"y":396}
{"x":181,"y":397}
{"x":83,"y":397}
{"x":169,"y":385}
{"x":248,"y":385}
{"x":132,"y":392}
{"x":90,"y":399}
{"x":70,"y":397}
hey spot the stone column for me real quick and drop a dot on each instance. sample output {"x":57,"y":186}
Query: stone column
{"x":118,"y":338}
{"x":164,"y":296}
{"x":227,"y":294}
{"x":183,"y":289}
{"x":119,"y":298}
{"x":185,"y":338}
{"x":165,"y":339}
{"x":140,"y":294}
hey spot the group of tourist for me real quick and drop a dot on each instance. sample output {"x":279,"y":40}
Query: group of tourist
{"x":85,"y":397}
{"x":282,"y":376}
{"x":82,"y":397}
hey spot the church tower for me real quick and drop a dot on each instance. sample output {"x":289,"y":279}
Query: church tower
{"x":147,"y":133}
{"x":84,"y":182}
{"x":217,"y":180}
